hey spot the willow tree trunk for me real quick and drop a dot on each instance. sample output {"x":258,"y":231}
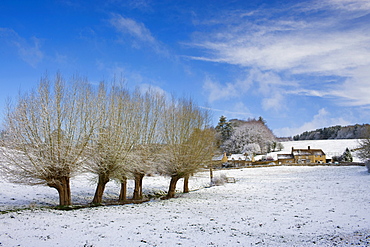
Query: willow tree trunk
{"x":172,"y":188}
{"x":62,"y":185}
{"x":103,"y":180}
{"x":123,"y":192}
{"x":186,"y":184}
{"x":138,"y":190}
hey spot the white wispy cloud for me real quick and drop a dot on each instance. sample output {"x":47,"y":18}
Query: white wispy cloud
{"x":218,"y":91}
{"x":140,"y":4}
{"x":267,"y":82}
{"x":141,"y":35}
{"x":132,"y":27}
{"x":352,"y":5}
{"x":130,"y":77}
{"x":322,"y":119}
{"x":355,"y":90}
{"x":320,"y":38}
{"x":240,"y":111}
{"x":28,"y":50}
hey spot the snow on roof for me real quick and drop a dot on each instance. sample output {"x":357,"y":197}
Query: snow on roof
{"x":285,"y":156}
{"x":238,"y":157}
{"x":217,"y":157}
{"x":308,"y":152}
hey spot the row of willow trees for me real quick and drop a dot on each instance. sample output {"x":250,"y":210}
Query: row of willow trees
{"x":62,"y":129}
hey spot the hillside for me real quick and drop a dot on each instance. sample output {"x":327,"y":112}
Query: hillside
{"x":330,"y":147}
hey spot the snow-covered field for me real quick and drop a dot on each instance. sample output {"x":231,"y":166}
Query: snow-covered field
{"x":272,"y":206}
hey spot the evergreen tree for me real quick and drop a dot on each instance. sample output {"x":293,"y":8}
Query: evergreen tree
{"x":347,"y":156}
{"x":260,"y":119}
{"x":224,"y":129}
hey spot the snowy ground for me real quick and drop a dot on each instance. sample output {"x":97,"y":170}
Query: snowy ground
{"x":272,"y":206}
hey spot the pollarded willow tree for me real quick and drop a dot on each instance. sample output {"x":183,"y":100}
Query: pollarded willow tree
{"x":113,"y":141}
{"x":48,"y":132}
{"x":188,"y":143}
{"x":151,"y":105}
{"x":125,"y":144}
{"x":202,"y":146}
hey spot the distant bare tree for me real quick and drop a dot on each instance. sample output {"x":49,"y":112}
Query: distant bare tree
{"x":47,"y":134}
{"x":364,"y":149}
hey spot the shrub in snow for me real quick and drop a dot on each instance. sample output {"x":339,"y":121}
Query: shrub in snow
{"x":156,"y":194}
{"x":220,"y":180}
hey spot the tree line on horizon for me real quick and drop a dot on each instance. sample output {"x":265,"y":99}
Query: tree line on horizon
{"x":336,"y":132}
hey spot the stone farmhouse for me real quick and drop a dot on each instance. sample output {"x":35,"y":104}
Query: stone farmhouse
{"x":302,"y":156}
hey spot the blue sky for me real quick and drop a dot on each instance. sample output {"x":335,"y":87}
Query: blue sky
{"x":301,"y":65}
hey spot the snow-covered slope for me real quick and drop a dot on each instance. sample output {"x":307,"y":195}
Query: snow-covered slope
{"x":330,"y":147}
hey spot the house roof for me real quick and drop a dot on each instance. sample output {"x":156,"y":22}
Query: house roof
{"x":308,"y":151}
{"x":238,"y":157}
{"x":218,"y":157}
{"x":301,"y":152}
{"x":232,"y":157}
{"x":285,"y":156}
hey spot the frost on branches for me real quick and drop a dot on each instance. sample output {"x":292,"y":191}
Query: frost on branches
{"x":48,"y":131}
{"x":62,"y":130}
{"x":249,"y":137}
